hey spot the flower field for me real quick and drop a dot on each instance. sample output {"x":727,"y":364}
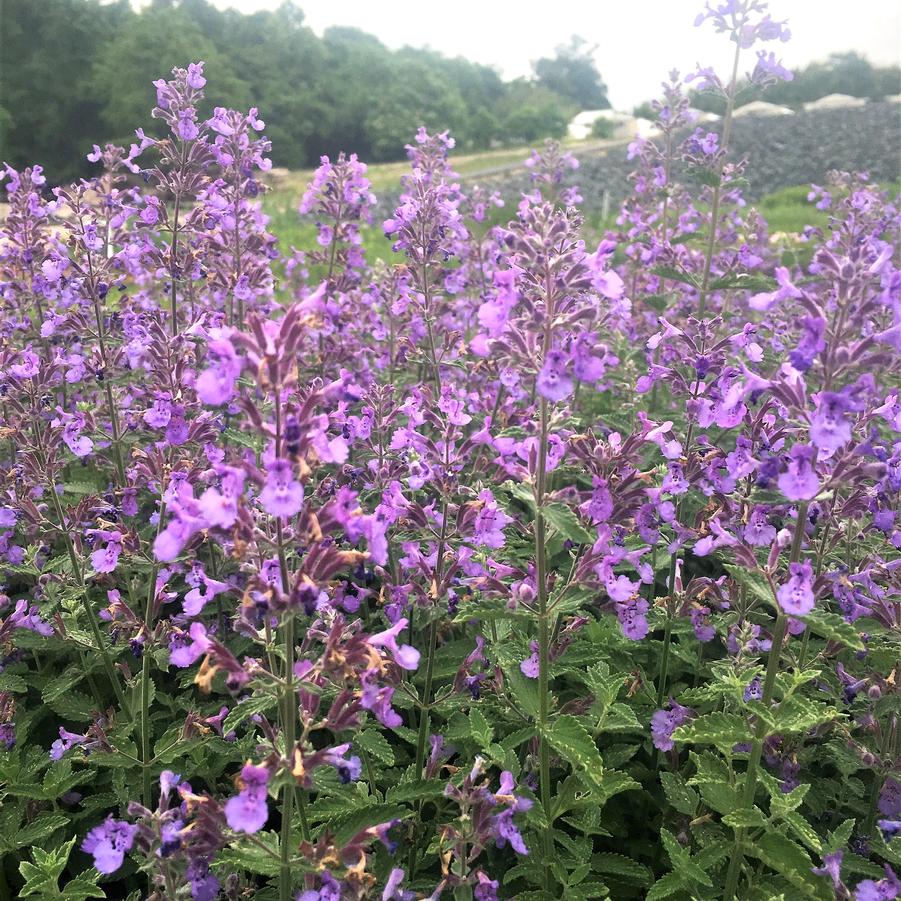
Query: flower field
{"x":524,"y":563}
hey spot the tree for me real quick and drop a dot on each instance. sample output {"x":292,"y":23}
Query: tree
{"x":572,"y":73}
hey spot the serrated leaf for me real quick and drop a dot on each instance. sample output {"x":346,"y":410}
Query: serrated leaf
{"x":746,"y":818}
{"x":375,"y":744}
{"x":74,"y":705}
{"x":799,"y":714}
{"x":718,"y":728}
{"x":573,"y":741}
{"x":792,"y":862}
{"x":479,"y":728}
{"x":665,"y":886}
{"x":680,"y":796}
{"x":80,"y":888}
{"x":617,"y":865}
{"x":833,"y":627}
{"x":259,"y":703}
{"x":418,"y":790}
{"x":12,"y":682}
{"x":803,"y":830}
{"x":567,"y":524}
{"x":347,"y":826}
{"x":40,"y":828}
{"x":681,"y":860}
{"x":675,"y":275}
{"x":839,"y":837}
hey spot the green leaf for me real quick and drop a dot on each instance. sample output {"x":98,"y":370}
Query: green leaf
{"x":746,"y":818}
{"x":681,"y":860}
{"x":665,"y":886}
{"x":12,"y":682}
{"x":799,"y":714}
{"x":839,"y":837}
{"x":480,"y":728}
{"x":792,"y":862}
{"x":572,"y":740}
{"x":624,"y":867}
{"x":833,"y":627}
{"x":40,"y":828}
{"x":259,"y":703}
{"x":346,"y":827}
{"x":74,"y":705}
{"x":804,"y":831}
{"x":418,"y":790}
{"x":721,"y":729}
{"x":756,"y":585}
{"x":81,"y":887}
{"x":567,"y":524}
{"x":679,"y":795}
{"x":375,"y":743}
{"x":675,"y":275}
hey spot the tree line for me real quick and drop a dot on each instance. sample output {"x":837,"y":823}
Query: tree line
{"x":75,"y":72}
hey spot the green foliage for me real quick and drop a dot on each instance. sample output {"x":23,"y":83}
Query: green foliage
{"x":80,"y":71}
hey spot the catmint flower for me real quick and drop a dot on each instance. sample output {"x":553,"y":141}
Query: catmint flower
{"x":282,"y":495}
{"x":553,"y":382}
{"x":203,"y":590}
{"x":754,"y":690}
{"x":104,"y":559}
{"x":832,"y":865}
{"x":799,"y":482}
{"x":890,"y":798}
{"x":247,"y":811}
{"x":405,"y":656}
{"x":796,"y":595}
{"x":829,"y":429}
{"x":66,"y":741}
{"x":183,"y":654}
{"x":108,"y":843}
{"x":758,"y":531}
{"x":665,"y":722}
{"x":530,"y":666}
{"x":488,"y":528}
{"x":216,"y":385}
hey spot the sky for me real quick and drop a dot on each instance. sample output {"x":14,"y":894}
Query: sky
{"x":639,"y":41}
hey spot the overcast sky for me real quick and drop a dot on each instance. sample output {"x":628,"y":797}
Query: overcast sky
{"x":638,"y":40}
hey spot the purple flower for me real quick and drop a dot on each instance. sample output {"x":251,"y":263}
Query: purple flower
{"x":530,"y":666}
{"x":832,"y":865}
{"x":203,"y":590}
{"x":553,"y":381}
{"x":104,"y":559}
{"x":184,"y":654}
{"x":829,"y":430}
{"x":753,"y":690}
{"x":665,"y":722}
{"x":799,"y":482}
{"x":405,"y":656}
{"x":890,"y":798}
{"x":109,"y":843}
{"x":488,"y":528}
{"x":758,"y":531}
{"x":796,"y":595}
{"x":66,"y":741}
{"x":282,"y":495}
{"x":247,"y":811}
{"x":216,"y":385}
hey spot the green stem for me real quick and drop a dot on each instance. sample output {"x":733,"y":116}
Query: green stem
{"x":667,"y":631}
{"x":88,"y":606}
{"x":769,"y":686}
{"x":290,"y":713}
{"x":544,"y":760}
{"x":146,"y":756}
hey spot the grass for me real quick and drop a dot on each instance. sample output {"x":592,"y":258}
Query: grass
{"x":787,"y":211}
